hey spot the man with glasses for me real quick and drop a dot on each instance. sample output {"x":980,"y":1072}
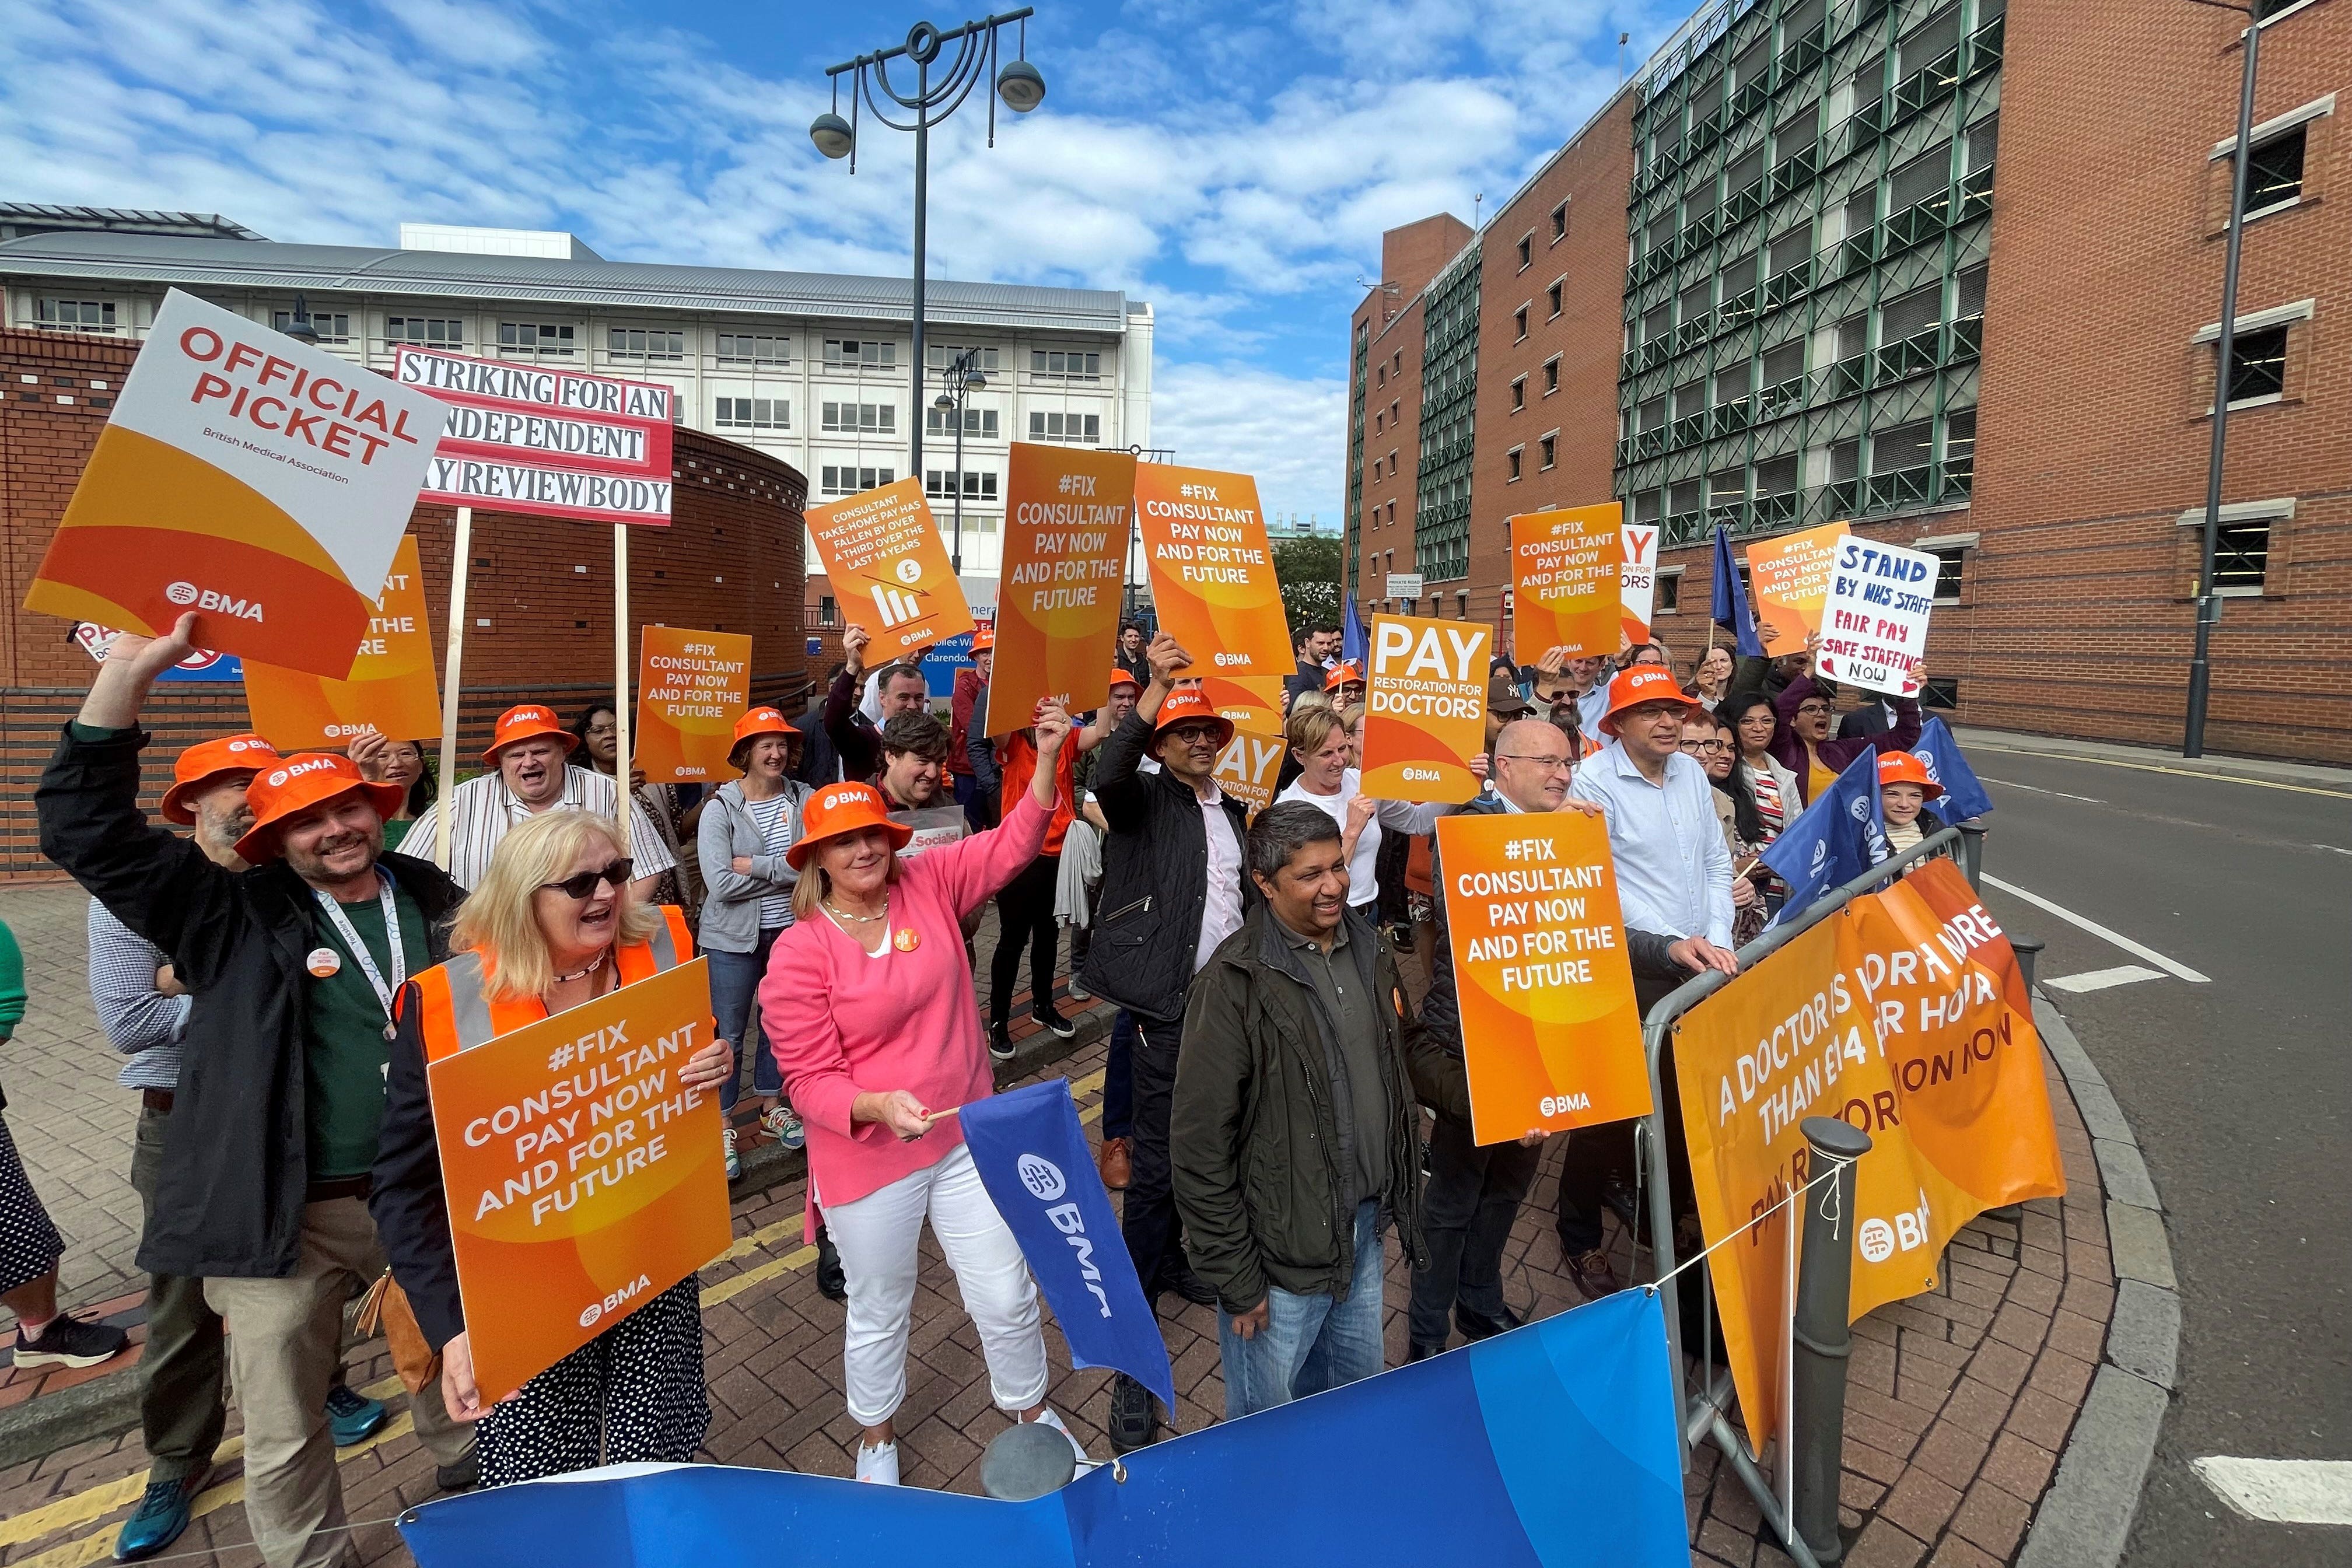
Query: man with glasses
{"x":1172,"y":889}
{"x":1674,"y":878}
{"x":1565,"y":685}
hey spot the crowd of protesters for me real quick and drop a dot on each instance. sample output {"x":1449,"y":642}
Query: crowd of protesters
{"x":1275,"y":1098}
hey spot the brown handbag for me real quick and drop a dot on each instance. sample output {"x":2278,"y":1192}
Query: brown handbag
{"x":386,"y":1306}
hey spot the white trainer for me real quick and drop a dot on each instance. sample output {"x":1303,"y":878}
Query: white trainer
{"x":879,"y":1466}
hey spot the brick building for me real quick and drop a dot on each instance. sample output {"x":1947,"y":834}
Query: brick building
{"x":1384,"y":405}
{"x":539,"y":591}
{"x":1948,"y":270}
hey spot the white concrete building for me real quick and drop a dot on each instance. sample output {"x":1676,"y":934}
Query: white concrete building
{"x":810,"y":367}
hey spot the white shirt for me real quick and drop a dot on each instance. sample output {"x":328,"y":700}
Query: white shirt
{"x":1674,"y":869}
{"x":1221,"y":913}
{"x":482,"y":809}
{"x":1590,"y":709}
{"x":1363,"y":880}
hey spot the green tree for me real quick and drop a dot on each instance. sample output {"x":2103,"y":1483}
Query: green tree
{"x":1308,"y":571}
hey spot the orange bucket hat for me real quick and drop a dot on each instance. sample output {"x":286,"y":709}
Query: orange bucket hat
{"x":1188,"y":701}
{"x":1643,"y":683}
{"x":298,"y":783}
{"x":1901,"y":767}
{"x":523,"y":723}
{"x":758,"y":721}
{"x":983,"y":638}
{"x":840,"y":808}
{"x":205,"y":761}
{"x":1119,"y":678}
{"x":1341,"y":674}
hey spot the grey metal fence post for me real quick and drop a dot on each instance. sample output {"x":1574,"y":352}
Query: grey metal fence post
{"x":1824,"y":1289}
{"x":1972,"y":837}
{"x":2028,"y":953}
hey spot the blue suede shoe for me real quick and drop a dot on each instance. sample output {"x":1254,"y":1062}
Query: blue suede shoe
{"x":352,"y":1416}
{"x":156,"y":1522}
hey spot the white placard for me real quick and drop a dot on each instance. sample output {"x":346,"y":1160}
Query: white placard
{"x":1875,"y":620}
{"x":1637,"y":578}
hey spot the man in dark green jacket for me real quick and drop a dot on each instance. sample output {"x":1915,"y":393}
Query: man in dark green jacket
{"x":1295,"y":1130}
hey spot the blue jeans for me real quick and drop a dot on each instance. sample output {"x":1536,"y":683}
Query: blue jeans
{"x":734,"y":981}
{"x":1310,"y":1343}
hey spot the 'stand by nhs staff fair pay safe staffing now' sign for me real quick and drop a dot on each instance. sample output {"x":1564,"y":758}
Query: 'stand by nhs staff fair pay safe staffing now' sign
{"x":257,"y":481}
{"x":554,"y":442}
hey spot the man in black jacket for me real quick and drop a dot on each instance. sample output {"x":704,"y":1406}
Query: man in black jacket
{"x":292,"y":965}
{"x":857,"y":739}
{"x":1172,"y":889}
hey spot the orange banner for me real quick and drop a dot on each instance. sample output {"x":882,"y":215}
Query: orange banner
{"x":1066,"y":512}
{"x":1251,"y":701}
{"x":691,"y":687}
{"x":1211,"y":572}
{"x":889,"y":572}
{"x":1564,"y":566}
{"x":1905,"y":1015}
{"x":1424,"y":707}
{"x":582,"y":1178}
{"x":1550,"y":1033}
{"x":392,"y":688}
{"x":1250,"y":769}
{"x":1788,"y":580}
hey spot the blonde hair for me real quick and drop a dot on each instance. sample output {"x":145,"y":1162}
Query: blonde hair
{"x":499,"y":920}
{"x":1309,"y":728}
{"x":816,"y":883}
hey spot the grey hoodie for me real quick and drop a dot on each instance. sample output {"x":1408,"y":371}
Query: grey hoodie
{"x":730,"y":913}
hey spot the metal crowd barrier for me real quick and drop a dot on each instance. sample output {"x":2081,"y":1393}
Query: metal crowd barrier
{"x":1808,"y":1459}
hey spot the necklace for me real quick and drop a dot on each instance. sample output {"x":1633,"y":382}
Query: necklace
{"x":583,"y":973}
{"x":839,"y":913}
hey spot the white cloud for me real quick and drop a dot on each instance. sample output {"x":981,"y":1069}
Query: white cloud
{"x":1290,"y":432}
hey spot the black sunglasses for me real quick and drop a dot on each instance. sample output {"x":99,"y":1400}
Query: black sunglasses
{"x":583,"y":886}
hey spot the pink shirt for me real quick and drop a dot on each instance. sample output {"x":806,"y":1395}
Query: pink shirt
{"x":843,"y":1021}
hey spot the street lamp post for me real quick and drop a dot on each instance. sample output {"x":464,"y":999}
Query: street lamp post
{"x":1018,"y":83}
{"x":960,"y":380}
{"x":2209,"y":600}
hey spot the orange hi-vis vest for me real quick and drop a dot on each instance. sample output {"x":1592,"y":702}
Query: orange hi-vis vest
{"x":457,"y":1012}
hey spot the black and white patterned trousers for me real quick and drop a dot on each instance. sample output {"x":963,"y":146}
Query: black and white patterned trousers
{"x":29,"y":1244}
{"x":632,"y":1394}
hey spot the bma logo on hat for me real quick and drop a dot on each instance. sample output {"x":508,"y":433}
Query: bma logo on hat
{"x":250,"y":746}
{"x":278,"y":777}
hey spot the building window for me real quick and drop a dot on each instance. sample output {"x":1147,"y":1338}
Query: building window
{"x":2258,"y":365}
{"x":938,"y":356}
{"x":1940,"y":692}
{"x":852,"y":353}
{"x":1526,"y":253}
{"x":75,"y":315}
{"x":1045,"y":425}
{"x":1902,"y":447}
{"x":755,"y":413}
{"x":1788,"y":252}
{"x":941,"y":484}
{"x":848,"y":481}
{"x":2275,"y":172}
{"x":1658,"y":322}
{"x":753,"y":348}
{"x":2242,"y":553}
{"x":1519,"y":394}
{"x":1560,"y":221}
{"x":1551,"y":375}
{"x":1669,"y":597}
{"x":861,"y":418}
{"x":1551,"y":297}
{"x":1519,"y":322}
{"x":828,"y":613}
{"x":1960,"y":450}
{"x":1068,"y":366}
{"x":980,"y":422}
{"x":330,"y":329}
{"x":535,"y":337}
{"x":1512,"y":457}
{"x":1926,"y":178}
{"x":1650,"y":415}
{"x":1929,"y":42}
{"x":1952,"y":567}
{"x":441,"y":333}
{"x":644,"y":343}
{"x":1549,"y":445}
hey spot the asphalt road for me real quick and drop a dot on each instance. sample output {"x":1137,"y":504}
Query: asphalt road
{"x":2236,"y":1087}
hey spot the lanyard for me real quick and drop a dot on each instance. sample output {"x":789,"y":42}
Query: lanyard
{"x":359,"y":953}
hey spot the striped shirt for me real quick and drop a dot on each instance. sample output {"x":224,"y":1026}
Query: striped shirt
{"x":483,"y":808}
{"x":144,"y":1025}
{"x":773,"y":818}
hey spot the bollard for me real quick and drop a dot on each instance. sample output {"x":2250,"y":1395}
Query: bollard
{"x":1824,"y":1289}
{"x":2029,"y":952}
{"x":1972,"y":837}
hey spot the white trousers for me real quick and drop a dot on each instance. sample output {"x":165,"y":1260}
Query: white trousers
{"x":878,"y":1237}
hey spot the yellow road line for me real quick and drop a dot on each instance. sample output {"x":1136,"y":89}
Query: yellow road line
{"x":2153,"y":768}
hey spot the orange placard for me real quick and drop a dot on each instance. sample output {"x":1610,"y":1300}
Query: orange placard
{"x":1549,"y":1031}
{"x":263,"y":483}
{"x":691,"y":687}
{"x":1787,"y":579}
{"x":1905,"y":1015}
{"x":1424,"y":707}
{"x":889,"y":572}
{"x":1212,"y":573}
{"x":582,"y":1178}
{"x":392,"y":688}
{"x":1066,"y":512}
{"x":1564,"y":590}
{"x":1249,"y":768}
{"x":1251,"y":701}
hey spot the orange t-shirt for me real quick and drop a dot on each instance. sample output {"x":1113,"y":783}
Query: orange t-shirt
{"x":1017,"y":754}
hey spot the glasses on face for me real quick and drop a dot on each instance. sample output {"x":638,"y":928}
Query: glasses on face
{"x":1194,"y":735}
{"x":1649,"y":710}
{"x":1701,"y":748}
{"x":1543,"y":764}
{"x":583,"y":886}
{"x":1812,"y":711}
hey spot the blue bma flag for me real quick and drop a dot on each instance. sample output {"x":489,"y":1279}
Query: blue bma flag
{"x":1033,"y":1157}
{"x":1836,"y":838}
{"x":1963,"y":798}
{"x":1730,"y":607}
{"x":1353,"y":645}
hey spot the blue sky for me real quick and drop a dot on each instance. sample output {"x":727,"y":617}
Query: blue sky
{"x":1233,"y":165}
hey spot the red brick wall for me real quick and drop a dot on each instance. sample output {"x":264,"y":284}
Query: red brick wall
{"x":731,"y":560}
{"x":1392,"y":380}
{"x":1418,"y":251}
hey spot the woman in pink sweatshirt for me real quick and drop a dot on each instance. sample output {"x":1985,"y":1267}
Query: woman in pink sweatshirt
{"x":869,"y":1007}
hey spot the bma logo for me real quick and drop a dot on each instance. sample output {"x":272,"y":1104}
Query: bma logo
{"x":185,"y":593}
{"x":1880,"y":1241}
{"x":1045,"y":1184}
{"x":1042,"y":1177}
{"x":1858,"y":809}
{"x":1928,"y":759}
{"x":1821,"y":855}
{"x":629,"y":1292}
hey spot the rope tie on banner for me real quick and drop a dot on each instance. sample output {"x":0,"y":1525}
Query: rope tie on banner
{"x":1789,"y":1197}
